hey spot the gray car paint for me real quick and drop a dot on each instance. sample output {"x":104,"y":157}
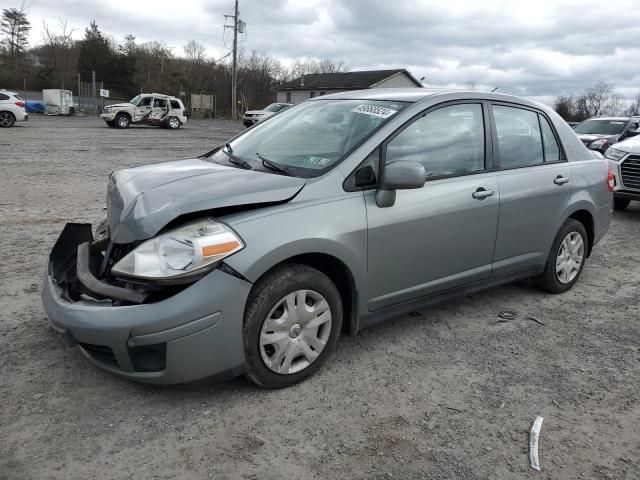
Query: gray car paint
{"x":415,"y":248}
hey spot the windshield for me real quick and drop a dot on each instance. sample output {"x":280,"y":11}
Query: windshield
{"x":601,"y":127}
{"x":312,"y":137}
{"x":274,"y":107}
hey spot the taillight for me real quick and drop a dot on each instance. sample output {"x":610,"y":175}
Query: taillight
{"x":611,"y":179}
{"x":20,"y":104}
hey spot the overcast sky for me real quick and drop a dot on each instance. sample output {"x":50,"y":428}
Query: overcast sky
{"x":539,"y":48}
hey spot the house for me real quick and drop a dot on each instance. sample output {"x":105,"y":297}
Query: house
{"x":316,"y":84}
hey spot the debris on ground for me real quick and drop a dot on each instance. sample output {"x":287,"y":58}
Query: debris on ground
{"x":506,"y":316}
{"x":534,"y":435}
{"x":536,"y":320}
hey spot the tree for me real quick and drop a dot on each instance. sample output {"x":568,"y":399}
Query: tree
{"x":597,"y":97}
{"x":15,"y":26}
{"x":194,"y":52}
{"x":58,"y":48}
{"x":634,"y":108}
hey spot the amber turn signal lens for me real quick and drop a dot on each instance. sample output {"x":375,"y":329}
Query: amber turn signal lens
{"x":211,"y":250}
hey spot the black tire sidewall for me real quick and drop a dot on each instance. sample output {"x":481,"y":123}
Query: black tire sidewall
{"x":621,"y":203}
{"x":117,"y":122}
{"x":13,"y":120}
{"x":549,"y":279}
{"x":263,"y":297}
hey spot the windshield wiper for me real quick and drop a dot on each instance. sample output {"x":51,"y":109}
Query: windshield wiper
{"x":273,"y":165}
{"x":235,"y":160}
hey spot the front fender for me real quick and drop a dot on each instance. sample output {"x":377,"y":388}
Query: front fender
{"x":337,"y":228}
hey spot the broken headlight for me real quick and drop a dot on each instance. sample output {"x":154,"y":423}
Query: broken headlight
{"x":181,"y":253}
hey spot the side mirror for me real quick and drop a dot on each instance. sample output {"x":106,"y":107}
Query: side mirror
{"x":399,"y":175}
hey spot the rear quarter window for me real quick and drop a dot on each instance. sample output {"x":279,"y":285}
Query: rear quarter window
{"x":3,"y":96}
{"x":175,"y":105}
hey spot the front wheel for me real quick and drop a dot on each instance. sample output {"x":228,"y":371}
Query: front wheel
{"x":292,"y":323}
{"x":566,"y":259}
{"x":620,"y":203}
{"x":122,"y":120}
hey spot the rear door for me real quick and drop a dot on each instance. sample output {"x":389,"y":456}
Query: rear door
{"x":535,"y":186}
{"x":442,"y":235}
{"x":159,"y":109}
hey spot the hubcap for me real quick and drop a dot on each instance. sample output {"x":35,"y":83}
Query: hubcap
{"x":295,"y":332}
{"x":174,"y":123}
{"x":123,"y":122}
{"x":570,"y":257}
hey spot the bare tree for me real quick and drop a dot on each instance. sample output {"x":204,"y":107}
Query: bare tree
{"x":194,"y":52}
{"x":331,"y":66}
{"x":59,"y":47}
{"x":634,"y":108}
{"x":597,"y":97}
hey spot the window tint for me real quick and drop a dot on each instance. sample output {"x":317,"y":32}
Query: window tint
{"x":160,"y":102}
{"x":551,"y":148}
{"x":447,"y":141}
{"x":519,"y":139}
{"x":175,"y":105}
{"x":3,"y":96}
{"x":145,"y":102}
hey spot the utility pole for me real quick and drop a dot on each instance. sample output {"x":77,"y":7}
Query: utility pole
{"x":234,"y":66}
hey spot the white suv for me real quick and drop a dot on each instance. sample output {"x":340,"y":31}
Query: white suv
{"x":147,"y":109}
{"x":11,"y":109}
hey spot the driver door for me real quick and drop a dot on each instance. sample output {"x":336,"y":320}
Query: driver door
{"x":442,"y":235}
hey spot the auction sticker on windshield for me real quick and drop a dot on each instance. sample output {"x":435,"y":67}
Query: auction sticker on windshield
{"x":374,"y":111}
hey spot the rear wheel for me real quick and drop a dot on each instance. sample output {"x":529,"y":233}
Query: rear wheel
{"x":620,"y":203}
{"x":7,"y":119}
{"x":122,"y":120}
{"x":566,"y":259}
{"x":291,"y":325}
{"x":173,"y":123}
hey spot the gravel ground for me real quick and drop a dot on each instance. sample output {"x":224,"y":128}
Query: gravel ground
{"x":446,"y":392}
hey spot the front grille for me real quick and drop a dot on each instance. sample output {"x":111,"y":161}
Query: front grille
{"x":100,"y":353}
{"x":630,"y":170}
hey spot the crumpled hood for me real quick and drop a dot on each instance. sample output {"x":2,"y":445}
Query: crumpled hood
{"x":142,"y":200}
{"x":590,"y":137}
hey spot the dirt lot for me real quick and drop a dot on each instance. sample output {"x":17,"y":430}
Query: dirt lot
{"x":442,"y":393}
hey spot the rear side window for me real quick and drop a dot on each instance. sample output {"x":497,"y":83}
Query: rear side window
{"x":160,"y":102}
{"x":519,"y":138}
{"x":551,"y":148}
{"x":3,"y":96}
{"x":447,"y":141}
{"x":175,"y":105}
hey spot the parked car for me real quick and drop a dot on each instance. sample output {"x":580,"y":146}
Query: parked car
{"x":626,"y":158}
{"x":11,"y":109}
{"x":602,"y":132}
{"x":254,"y":257}
{"x":251,"y":117}
{"x":147,"y":109}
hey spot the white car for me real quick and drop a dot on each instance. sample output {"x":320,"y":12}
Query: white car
{"x":11,"y":109}
{"x":626,"y":157}
{"x":251,"y":117}
{"x":147,"y":109}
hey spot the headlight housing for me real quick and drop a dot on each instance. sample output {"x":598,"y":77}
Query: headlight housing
{"x":179,"y":255}
{"x":614,"y":154}
{"x":599,"y":144}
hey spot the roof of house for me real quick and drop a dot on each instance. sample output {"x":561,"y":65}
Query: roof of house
{"x":343,"y":80}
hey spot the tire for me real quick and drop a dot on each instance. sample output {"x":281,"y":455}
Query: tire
{"x":620,"y":203}
{"x":559,"y":276}
{"x":111,"y":124}
{"x":122,"y":120}
{"x":7,"y":119}
{"x":271,"y":316}
{"x":173,"y":123}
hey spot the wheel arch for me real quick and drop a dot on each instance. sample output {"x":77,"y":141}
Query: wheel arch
{"x":339,"y":273}
{"x":585,"y":217}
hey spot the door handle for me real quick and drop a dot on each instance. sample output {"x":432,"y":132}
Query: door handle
{"x":482,"y":193}
{"x":560,"y":180}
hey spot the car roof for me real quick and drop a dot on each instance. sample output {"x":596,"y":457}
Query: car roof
{"x":415,"y":95}
{"x":7,"y":92}
{"x":619,"y":119}
{"x":158,"y":95}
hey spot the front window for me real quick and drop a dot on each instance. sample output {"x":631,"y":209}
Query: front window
{"x":312,"y":137}
{"x":274,"y":107}
{"x":601,"y":127}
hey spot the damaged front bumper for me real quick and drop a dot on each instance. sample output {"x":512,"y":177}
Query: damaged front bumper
{"x":192,"y":334}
